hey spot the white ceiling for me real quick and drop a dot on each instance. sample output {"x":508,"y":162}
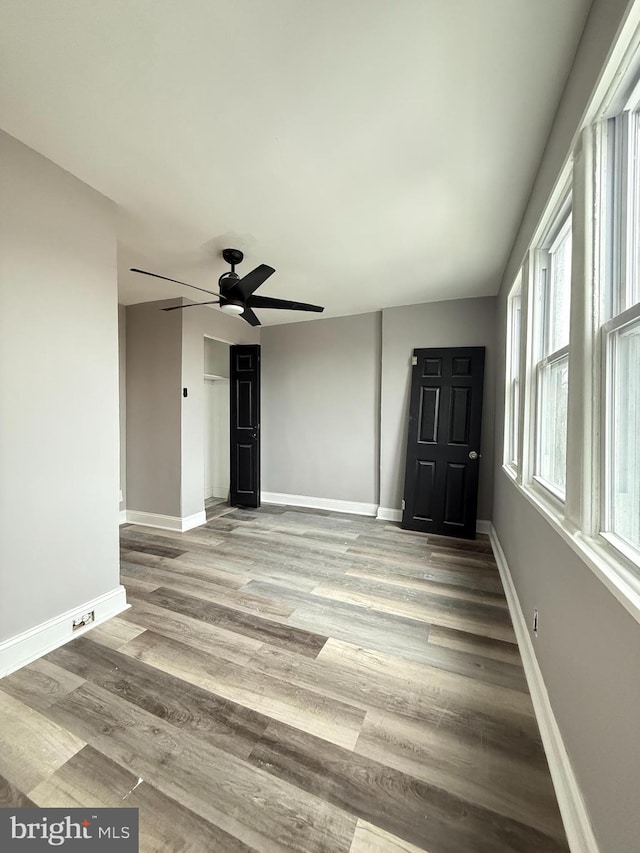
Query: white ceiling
{"x":375,"y":152}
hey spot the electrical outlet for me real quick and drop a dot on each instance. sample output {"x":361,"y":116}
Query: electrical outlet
{"x":535,"y":623}
{"x":87,"y":619}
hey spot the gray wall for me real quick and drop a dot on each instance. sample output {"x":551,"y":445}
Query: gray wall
{"x":216,"y":357}
{"x":165,"y":431}
{"x":320,"y":408}
{"x":454,"y":323}
{"x":122,"y":398}
{"x":154,"y":401}
{"x":588,"y":646}
{"x":59,"y":401}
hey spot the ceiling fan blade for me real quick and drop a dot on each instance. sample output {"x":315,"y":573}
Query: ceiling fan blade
{"x":174,"y":280}
{"x":191,"y":305}
{"x":252,"y":281}
{"x":250,"y":317}
{"x":268,"y":302}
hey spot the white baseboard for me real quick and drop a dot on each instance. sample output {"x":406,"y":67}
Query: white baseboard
{"x":320,"y":503}
{"x":166,"y":522}
{"x":191,"y":521}
{"x":123,"y":516}
{"x":483,"y":526}
{"x":44,"y":638}
{"x":572,"y":806}
{"x":219,"y":492}
{"x":385,"y":513}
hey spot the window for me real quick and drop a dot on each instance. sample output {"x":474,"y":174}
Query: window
{"x":580,"y":465}
{"x":551,"y":347}
{"x":512,"y":391}
{"x":621,"y":341}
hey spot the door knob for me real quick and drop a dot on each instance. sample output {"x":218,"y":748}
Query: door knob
{"x":473,"y":455}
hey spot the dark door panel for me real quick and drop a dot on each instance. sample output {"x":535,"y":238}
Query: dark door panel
{"x":443,"y":449}
{"x":245,"y":425}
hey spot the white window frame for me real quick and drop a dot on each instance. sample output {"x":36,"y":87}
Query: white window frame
{"x":512,"y":451}
{"x":609,"y":330}
{"x":558,"y":227}
{"x":618,"y":176}
{"x":597,"y":245}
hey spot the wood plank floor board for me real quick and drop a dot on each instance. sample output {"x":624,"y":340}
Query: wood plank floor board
{"x":404,"y":558}
{"x":242,"y":601}
{"x":291,"y":544}
{"x":458,"y":584}
{"x":418,"y":551}
{"x":342,"y":537}
{"x":40,"y":684}
{"x":135,"y":586}
{"x":87,"y":779}
{"x":464,"y":641}
{"x":486,"y":620}
{"x":331,"y":719}
{"x":278,"y":634}
{"x":91,"y":779}
{"x":128,"y":543}
{"x":196,"y":538}
{"x":220,"y":722}
{"x":357,"y":623}
{"x":254,"y":806}
{"x":292,"y":680}
{"x":430,"y":594}
{"x":420,"y":813}
{"x":369,"y":838}
{"x":475,"y":771}
{"x":487,"y":670}
{"x":115,"y":633}
{"x":31,"y":746}
{"x":12,"y":798}
{"x":189,"y":568}
{"x":205,"y":636}
{"x":428,"y":683}
{"x":446,"y":704}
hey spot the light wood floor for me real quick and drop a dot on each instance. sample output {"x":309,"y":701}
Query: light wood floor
{"x":292,"y":680}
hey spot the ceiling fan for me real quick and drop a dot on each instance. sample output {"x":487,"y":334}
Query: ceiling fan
{"x":236,"y":294}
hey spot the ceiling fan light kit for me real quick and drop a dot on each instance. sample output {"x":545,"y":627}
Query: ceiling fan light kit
{"x":232,"y":308}
{"x":236,"y":294}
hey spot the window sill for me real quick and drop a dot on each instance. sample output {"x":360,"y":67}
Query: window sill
{"x":621,"y":547}
{"x":549,"y":495}
{"x":607,"y":563}
{"x":511,"y":472}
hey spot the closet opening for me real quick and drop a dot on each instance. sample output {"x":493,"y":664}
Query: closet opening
{"x":216,"y":423}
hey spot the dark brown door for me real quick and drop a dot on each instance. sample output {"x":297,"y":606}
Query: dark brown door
{"x":443,"y":446}
{"x":245,"y":425}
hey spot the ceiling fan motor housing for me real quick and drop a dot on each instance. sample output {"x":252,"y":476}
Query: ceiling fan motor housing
{"x":226,"y":281}
{"x":233,"y":256}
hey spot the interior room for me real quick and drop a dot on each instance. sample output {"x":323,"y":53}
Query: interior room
{"x":319,"y":457}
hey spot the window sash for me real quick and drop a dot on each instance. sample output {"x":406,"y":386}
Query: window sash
{"x":552,"y":297}
{"x":546,"y":426}
{"x":512,"y":385}
{"x":514,"y":424}
{"x":611,"y":511}
{"x":623,"y":175}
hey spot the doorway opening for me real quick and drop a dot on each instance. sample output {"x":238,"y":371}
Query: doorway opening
{"x":216,"y":423}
